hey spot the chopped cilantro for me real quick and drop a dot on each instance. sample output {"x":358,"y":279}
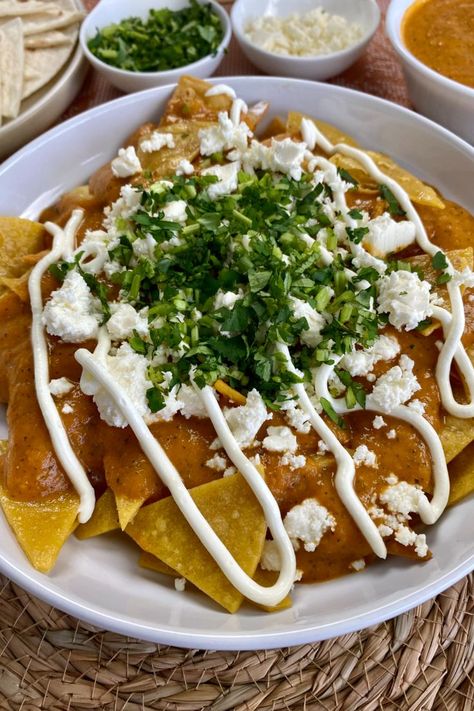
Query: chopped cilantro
{"x":166,"y":40}
{"x":394,"y":206}
{"x":331,"y":413}
{"x":356,"y":234}
{"x":345,"y":175}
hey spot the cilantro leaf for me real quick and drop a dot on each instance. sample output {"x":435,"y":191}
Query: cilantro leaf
{"x":394,"y":206}
{"x":331,"y":413}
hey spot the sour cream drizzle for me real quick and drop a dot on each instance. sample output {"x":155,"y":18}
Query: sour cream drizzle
{"x":63,"y":244}
{"x":218,"y":89}
{"x":170,"y":477}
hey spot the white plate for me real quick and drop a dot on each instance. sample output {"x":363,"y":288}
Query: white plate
{"x":43,"y":107}
{"x":98,"y":580}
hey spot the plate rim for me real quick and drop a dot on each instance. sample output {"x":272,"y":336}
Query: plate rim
{"x":229,"y":640}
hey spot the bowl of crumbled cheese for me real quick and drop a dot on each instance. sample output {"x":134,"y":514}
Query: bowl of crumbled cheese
{"x":310,"y":39}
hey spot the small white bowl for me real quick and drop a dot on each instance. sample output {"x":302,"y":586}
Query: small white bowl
{"x":318,"y":67}
{"x":446,"y":101}
{"x":108,"y":12}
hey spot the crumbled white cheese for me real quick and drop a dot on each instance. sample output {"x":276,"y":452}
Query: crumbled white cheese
{"x":307,"y":34}
{"x":391,"y":434}
{"x":270,"y":559}
{"x":407,"y":537}
{"x":126,"y":163}
{"x":67,"y":409}
{"x":405,"y":298}
{"x":371,"y":377}
{"x":184,"y":167}
{"x":60,"y":386}
{"x":378,"y":422}
{"x":363,"y":455}
{"x":156,"y":141}
{"x":227,"y":298}
{"x":294,"y":461}
{"x":362,"y":259}
{"x":322,"y":447}
{"x":224,"y":136}
{"x":124,"y":321}
{"x":296,"y":416}
{"x":227,"y":176}
{"x":308,"y":522}
{"x":230,"y":471}
{"x":391,"y":479}
{"x":464,"y":278}
{"x":245,"y":420}
{"x":316,"y":322}
{"x":358,"y":564}
{"x":402,"y":498}
{"x":417,"y":406}
{"x":386,"y":236}
{"x":190,"y":404}
{"x":180,"y":584}
{"x":280,"y":439}
{"x":217,"y":462}
{"x":129,"y":370}
{"x":287,"y":157}
{"x":394,"y":387}
{"x":384,"y":530}
{"x":175,"y":211}
{"x":362,"y":362}
{"x":72,"y":313}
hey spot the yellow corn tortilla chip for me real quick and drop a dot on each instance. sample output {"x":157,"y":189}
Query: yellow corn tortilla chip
{"x":455,"y":435}
{"x":151,"y":562}
{"x":103,"y":520}
{"x":18,"y":238}
{"x":262,"y":577}
{"x":41,"y":527}
{"x":461,"y":474}
{"x":127,"y":509}
{"x":332,"y":133}
{"x":269,"y":578}
{"x":235,"y":515}
{"x":229,"y":392}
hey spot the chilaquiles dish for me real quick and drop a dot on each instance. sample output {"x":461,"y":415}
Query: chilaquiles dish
{"x":253,"y":356}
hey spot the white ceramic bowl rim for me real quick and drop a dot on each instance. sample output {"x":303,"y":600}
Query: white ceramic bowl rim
{"x":370,"y":31}
{"x":380,"y":611}
{"x":393,"y":28}
{"x":226,"y":27}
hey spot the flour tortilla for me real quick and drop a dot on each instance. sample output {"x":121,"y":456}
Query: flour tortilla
{"x":11,"y":67}
{"x":43,"y":63}
{"x":48,"y":39}
{"x":13,"y":8}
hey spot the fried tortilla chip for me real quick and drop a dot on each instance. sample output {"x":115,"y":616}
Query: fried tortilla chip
{"x":229,"y":392}
{"x":103,"y":520}
{"x":332,"y":133}
{"x":41,"y":527}
{"x":151,"y":562}
{"x":461,"y":474}
{"x":455,"y":435}
{"x":18,"y":238}
{"x":265,"y":578}
{"x":235,"y":515}
{"x":127,"y":508}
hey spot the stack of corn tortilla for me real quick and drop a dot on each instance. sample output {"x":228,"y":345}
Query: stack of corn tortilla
{"x":36,"y":39}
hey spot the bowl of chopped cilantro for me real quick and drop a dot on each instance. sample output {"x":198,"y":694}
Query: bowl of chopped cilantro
{"x":139,"y":44}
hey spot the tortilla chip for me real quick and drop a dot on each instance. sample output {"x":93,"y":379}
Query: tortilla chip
{"x":127,"y":508}
{"x":41,"y":527}
{"x":235,"y":515}
{"x":268,"y":578}
{"x":165,"y":161}
{"x":455,"y":435}
{"x":229,"y":392}
{"x":332,"y":133}
{"x":461,"y":474}
{"x":12,"y":59}
{"x":18,"y":238}
{"x":151,"y":562}
{"x":103,"y":520}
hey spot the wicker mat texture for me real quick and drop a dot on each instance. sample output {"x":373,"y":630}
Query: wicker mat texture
{"x":421,"y":661}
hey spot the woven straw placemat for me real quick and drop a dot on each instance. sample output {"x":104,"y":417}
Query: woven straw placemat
{"x":421,"y":661}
